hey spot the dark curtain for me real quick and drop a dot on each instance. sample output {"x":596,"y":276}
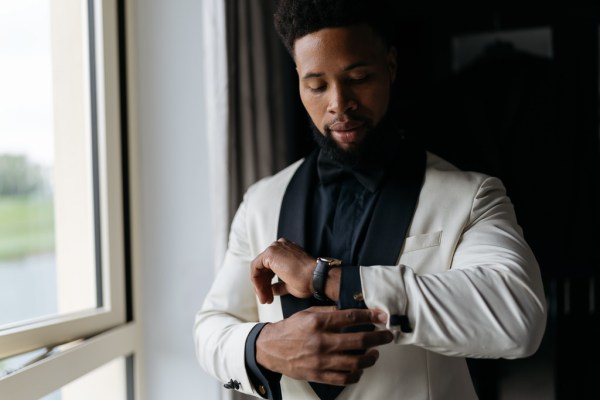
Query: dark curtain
{"x":533,"y":122}
{"x":260,"y":97}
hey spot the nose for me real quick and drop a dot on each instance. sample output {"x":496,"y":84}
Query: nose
{"x":341,"y":100}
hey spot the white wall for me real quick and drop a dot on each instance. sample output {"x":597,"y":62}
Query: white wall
{"x":175,"y":245}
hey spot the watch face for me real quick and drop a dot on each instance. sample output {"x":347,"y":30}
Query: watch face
{"x":333,"y":262}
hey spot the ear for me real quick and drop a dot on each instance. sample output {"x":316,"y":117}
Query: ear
{"x":392,"y":61}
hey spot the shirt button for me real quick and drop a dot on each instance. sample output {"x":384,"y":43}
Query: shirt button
{"x":262,"y":390}
{"x":358,"y":296}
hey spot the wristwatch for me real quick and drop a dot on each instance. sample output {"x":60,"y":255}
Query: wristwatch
{"x":324,"y":264}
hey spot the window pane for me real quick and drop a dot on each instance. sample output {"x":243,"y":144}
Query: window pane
{"x":12,"y":364}
{"x":47,"y":234}
{"x":106,"y":382}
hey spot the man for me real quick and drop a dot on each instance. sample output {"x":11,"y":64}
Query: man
{"x":421,"y":265}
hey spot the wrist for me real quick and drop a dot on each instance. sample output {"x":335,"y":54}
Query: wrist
{"x":332,"y":286}
{"x":262,"y":341}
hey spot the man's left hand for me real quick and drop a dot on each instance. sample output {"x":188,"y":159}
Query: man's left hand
{"x":291,"y":263}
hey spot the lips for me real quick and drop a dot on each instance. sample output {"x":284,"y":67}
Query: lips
{"x":347,"y":133}
{"x":345,"y":126}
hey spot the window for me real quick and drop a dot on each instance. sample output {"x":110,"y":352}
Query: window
{"x":90,"y":386}
{"x":62,"y":250}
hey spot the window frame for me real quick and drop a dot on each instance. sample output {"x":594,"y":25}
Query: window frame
{"x":106,"y":331}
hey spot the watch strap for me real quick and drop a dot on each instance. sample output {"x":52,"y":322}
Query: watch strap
{"x":320,"y":276}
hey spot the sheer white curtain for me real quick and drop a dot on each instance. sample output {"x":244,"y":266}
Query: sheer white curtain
{"x":216,"y":127}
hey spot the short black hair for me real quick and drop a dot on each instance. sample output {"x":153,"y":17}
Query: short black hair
{"x":294,"y":19}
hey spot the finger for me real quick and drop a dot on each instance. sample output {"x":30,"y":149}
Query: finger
{"x":261,"y":261}
{"x":342,"y":342}
{"x":347,"y":362}
{"x":287,"y":243}
{"x":368,"y":359}
{"x":321,"y":309}
{"x":265,"y":295}
{"x":279,"y":289}
{"x":343,"y":318}
{"x":261,"y":279}
{"x":263,"y":291}
{"x":337,"y":378}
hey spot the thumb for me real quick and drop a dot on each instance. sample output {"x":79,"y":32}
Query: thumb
{"x":279,"y":289}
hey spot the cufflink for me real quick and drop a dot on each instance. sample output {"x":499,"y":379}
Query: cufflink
{"x":358,"y":296}
{"x":232,"y":385}
{"x":400,"y":321}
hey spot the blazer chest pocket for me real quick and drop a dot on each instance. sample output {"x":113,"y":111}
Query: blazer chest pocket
{"x":422,"y":241}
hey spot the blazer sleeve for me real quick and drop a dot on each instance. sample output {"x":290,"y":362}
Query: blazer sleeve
{"x":489,"y":303}
{"x":229,"y":313}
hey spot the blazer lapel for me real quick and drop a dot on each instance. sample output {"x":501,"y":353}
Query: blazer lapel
{"x":293,"y":218}
{"x":395,"y":208}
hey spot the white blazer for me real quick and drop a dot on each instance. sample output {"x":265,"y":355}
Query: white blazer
{"x":466,"y":278}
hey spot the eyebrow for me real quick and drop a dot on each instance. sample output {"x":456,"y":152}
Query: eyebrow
{"x":359,"y":64}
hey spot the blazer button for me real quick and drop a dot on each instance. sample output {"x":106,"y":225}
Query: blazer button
{"x":358,"y":296}
{"x":262,"y":390}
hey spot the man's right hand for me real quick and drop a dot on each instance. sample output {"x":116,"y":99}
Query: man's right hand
{"x":309,"y":346}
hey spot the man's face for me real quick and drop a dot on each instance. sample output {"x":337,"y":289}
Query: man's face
{"x":345,"y":78}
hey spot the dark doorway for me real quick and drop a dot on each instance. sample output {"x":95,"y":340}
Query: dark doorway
{"x":514,"y":94}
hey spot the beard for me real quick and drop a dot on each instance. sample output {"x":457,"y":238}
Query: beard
{"x":379,"y":140}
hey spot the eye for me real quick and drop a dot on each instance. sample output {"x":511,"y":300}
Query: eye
{"x":359,"y":78}
{"x":317,"y":89}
